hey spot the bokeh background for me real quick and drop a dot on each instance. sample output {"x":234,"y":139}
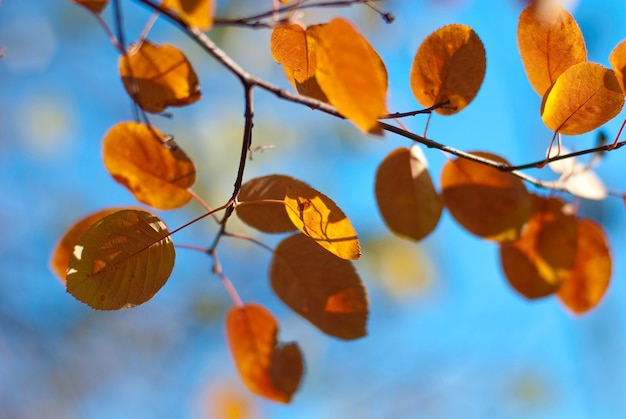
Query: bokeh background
{"x":448,"y":338}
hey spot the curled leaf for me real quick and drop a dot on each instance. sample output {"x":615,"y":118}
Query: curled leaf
{"x":198,"y":13}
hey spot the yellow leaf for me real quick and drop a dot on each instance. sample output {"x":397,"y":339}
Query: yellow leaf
{"x":198,"y":13}
{"x":95,"y":6}
{"x":318,"y":217}
{"x":155,"y":172}
{"x":549,"y":42}
{"x":583,"y":98}
{"x":158,"y":76}
{"x":121,"y":261}
{"x":320,"y":287}
{"x":351,"y":74}
{"x":268,"y":369}
{"x":618,"y":62}
{"x":449,"y":65}
{"x":406,"y":196}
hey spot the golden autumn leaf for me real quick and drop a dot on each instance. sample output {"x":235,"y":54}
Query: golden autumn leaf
{"x":158,"y":76}
{"x":549,"y":42}
{"x":489,"y":203}
{"x":319,"y":218}
{"x":95,"y":6}
{"x":536,"y":264}
{"x":155,"y":172}
{"x":405,"y":194}
{"x":618,"y":62}
{"x":121,"y":261}
{"x":583,"y":98}
{"x":319,"y":286}
{"x":268,"y":368}
{"x":64,"y":248}
{"x":351,"y":74}
{"x":261,"y":203}
{"x":450,"y":64}
{"x":198,"y":13}
{"x":589,"y":279}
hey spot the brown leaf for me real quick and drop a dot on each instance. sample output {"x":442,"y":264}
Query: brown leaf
{"x":198,"y":13}
{"x":95,"y":6}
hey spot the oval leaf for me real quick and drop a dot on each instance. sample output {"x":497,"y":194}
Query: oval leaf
{"x":583,"y":289}
{"x":155,"y":171}
{"x":549,"y":42}
{"x":320,"y":287}
{"x":267,"y":368}
{"x":618,"y":62}
{"x":406,"y":196}
{"x":351,"y":74}
{"x":485,"y":201}
{"x":121,"y":261}
{"x":198,"y":13}
{"x":583,"y":98}
{"x":318,"y":217}
{"x":449,"y":66}
{"x":158,"y":76}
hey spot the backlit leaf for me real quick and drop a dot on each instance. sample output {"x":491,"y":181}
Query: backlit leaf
{"x":64,"y":248}
{"x":318,"y":217}
{"x":157,"y":173}
{"x":269,"y":217}
{"x":537,"y":263}
{"x":268,"y":368}
{"x":485,"y":201}
{"x":583,"y":98}
{"x":158,"y":76}
{"x":351,"y":74}
{"x":96,"y":6}
{"x":449,"y":65}
{"x":121,"y":261}
{"x":320,"y":287}
{"x":577,"y":178}
{"x":406,"y":196}
{"x":549,"y":42}
{"x":198,"y":13}
{"x":618,"y":62}
{"x":583,"y":289}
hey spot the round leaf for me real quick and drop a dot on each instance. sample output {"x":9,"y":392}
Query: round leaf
{"x":121,"y":261}
{"x":618,"y":62}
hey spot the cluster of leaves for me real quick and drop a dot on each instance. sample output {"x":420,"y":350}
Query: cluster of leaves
{"x":119,"y":258}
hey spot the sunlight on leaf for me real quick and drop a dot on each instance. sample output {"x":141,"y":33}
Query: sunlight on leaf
{"x":589,"y":279}
{"x":96,"y":6}
{"x":489,"y":203}
{"x":318,"y":217}
{"x":155,"y":172}
{"x":158,"y":76}
{"x":321,"y":287}
{"x":450,"y":64}
{"x":268,"y":368}
{"x":583,"y":98}
{"x":618,"y":62}
{"x":351,"y":74}
{"x":537,"y":263}
{"x":198,"y":13}
{"x":405,"y":194}
{"x":121,"y":261}
{"x":549,"y":43}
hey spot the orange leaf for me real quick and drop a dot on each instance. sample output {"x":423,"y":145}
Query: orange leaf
{"x":158,"y":76}
{"x":261,"y":203}
{"x":485,"y":201}
{"x":63,"y":249}
{"x":95,"y":6}
{"x":537,"y":263}
{"x":449,"y":65}
{"x":406,"y":196}
{"x":549,"y":42}
{"x":268,"y":369}
{"x":583,"y":98}
{"x":155,"y":172}
{"x":198,"y":13}
{"x":618,"y":62}
{"x":351,"y":74}
{"x":121,"y":261}
{"x":318,"y":217}
{"x":583,"y":289}
{"x":320,"y":287}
